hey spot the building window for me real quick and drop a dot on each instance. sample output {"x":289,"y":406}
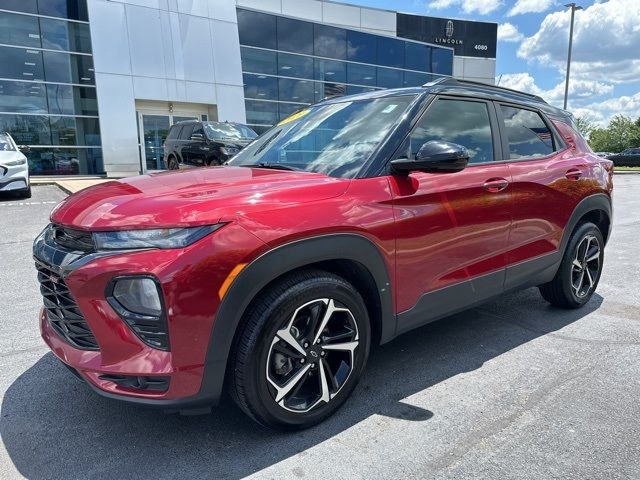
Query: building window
{"x":290,"y":63}
{"x":257,"y":29}
{"x":391,"y":52}
{"x":330,"y":42}
{"x":295,"y":36}
{"x":259,"y":61}
{"x":295,"y":66}
{"x":47,"y":93}
{"x":361,"y":47}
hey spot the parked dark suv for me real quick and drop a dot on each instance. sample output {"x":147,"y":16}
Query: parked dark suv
{"x":347,"y":224}
{"x":196,"y":144}
{"x":627,"y":158}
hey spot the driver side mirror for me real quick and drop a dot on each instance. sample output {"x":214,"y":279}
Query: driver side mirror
{"x":435,"y":156}
{"x":24,"y":148}
{"x":197,"y":137}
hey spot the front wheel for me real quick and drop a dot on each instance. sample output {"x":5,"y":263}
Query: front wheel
{"x":302,"y":350}
{"x":579,"y":271}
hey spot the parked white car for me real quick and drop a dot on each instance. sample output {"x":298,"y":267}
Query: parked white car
{"x":14,"y":168}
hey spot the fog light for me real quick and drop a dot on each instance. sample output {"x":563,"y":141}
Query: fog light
{"x":138,"y":301}
{"x":138,"y":295}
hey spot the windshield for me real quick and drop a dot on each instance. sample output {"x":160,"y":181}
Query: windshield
{"x":229,"y":131}
{"x":334,"y":139}
{"x":6,"y":145}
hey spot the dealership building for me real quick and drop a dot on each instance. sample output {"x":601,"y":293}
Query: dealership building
{"x":93,"y":86}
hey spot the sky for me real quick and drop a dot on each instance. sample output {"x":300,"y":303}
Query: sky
{"x":532,"y":48}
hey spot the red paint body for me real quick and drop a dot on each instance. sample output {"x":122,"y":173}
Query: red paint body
{"x":433,"y":230}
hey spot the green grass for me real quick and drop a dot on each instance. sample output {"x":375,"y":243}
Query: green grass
{"x":626,"y":169}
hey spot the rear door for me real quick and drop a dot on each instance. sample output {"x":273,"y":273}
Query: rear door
{"x":547,"y":181}
{"x":452,"y":228}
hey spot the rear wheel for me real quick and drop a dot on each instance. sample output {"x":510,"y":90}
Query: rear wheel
{"x":173,"y":163}
{"x":580,"y":269}
{"x":302,"y":350}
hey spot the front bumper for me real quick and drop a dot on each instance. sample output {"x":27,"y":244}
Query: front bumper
{"x":14,"y":178}
{"x":189,"y":278}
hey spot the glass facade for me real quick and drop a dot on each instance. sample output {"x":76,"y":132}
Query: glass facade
{"x":290,"y":63}
{"x":47,"y":85}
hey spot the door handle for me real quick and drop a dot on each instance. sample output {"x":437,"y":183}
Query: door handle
{"x":495,"y":185}
{"x":573,"y":174}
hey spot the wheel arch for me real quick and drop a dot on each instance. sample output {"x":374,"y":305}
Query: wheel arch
{"x":594,"y":208}
{"x":351,"y":256}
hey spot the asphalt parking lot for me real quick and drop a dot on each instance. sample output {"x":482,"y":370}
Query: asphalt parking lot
{"x":513,"y":389}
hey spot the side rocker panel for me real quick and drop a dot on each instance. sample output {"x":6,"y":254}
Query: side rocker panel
{"x":277,"y":262}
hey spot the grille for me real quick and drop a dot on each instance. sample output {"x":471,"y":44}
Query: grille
{"x":62,"y":310}
{"x":75,"y":240}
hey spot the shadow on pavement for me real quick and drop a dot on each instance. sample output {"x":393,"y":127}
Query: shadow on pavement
{"x":55,"y":427}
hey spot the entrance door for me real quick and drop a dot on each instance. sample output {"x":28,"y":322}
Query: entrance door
{"x":154,"y":132}
{"x":154,"y":121}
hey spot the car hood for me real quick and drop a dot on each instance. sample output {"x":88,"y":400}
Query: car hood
{"x":6,"y":157}
{"x":191,"y":197}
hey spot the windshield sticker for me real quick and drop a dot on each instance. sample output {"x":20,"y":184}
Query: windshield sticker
{"x":389,"y":108}
{"x":295,"y":116}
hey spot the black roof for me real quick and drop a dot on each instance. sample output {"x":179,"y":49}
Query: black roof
{"x":453,"y":86}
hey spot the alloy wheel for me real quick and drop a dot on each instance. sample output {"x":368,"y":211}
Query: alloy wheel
{"x":312,"y":356}
{"x":585,"y":266}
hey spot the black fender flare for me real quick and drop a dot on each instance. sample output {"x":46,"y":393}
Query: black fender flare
{"x":599,"y":201}
{"x":274,"y":263}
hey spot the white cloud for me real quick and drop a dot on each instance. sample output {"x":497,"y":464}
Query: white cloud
{"x":507,"y":32}
{"x":482,"y":7}
{"x":580,"y":94}
{"x":605,"y":42}
{"x":529,"y":6}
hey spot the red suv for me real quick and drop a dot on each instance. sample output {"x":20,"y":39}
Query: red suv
{"x":345,"y":225}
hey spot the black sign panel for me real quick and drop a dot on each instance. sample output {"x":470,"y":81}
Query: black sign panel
{"x":469,"y":39}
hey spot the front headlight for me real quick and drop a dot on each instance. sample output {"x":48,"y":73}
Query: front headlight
{"x":15,"y":163}
{"x":229,"y":150}
{"x":153,"y":238}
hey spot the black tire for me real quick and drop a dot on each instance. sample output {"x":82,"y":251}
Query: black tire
{"x":173,"y":163}
{"x":22,"y":194}
{"x":562,"y":291}
{"x":258,"y":344}
{"x":26,"y":193}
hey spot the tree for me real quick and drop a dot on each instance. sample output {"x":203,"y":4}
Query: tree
{"x":620,"y":134}
{"x":585,"y":126}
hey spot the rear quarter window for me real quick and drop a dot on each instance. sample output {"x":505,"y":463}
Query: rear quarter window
{"x":527,"y":133}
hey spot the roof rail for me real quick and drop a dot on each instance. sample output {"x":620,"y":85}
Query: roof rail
{"x":456,"y":81}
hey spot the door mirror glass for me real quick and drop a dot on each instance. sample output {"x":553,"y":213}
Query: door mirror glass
{"x":436,"y":156}
{"x":197,"y":137}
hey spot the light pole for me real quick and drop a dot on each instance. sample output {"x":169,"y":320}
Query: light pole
{"x":573,"y":7}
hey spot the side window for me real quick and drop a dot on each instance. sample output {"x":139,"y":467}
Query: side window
{"x":185,"y":133}
{"x":197,"y":129}
{"x":527,"y":134}
{"x":174,"y":132}
{"x":458,"y":121}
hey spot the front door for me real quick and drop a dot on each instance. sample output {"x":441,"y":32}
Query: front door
{"x":195,"y":150}
{"x":452,"y":228}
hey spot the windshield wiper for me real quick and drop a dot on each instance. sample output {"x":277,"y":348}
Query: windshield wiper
{"x":273,"y":166}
